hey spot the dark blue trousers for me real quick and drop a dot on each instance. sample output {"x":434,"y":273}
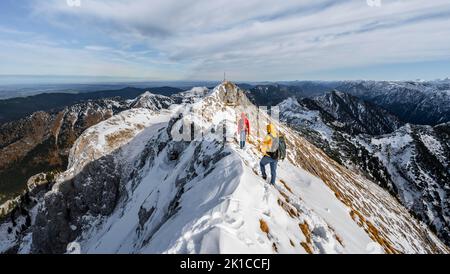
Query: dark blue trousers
{"x":273,"y":168}
{"x":243,"y":137}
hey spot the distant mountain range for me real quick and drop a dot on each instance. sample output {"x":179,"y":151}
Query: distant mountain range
{"x":425,"y":103}
{"x":416,"y":102}
{"x":16,"y":108}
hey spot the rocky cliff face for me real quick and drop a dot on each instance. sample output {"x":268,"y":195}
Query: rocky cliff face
{"x":41,"y":142}
{"x":91,"y":185}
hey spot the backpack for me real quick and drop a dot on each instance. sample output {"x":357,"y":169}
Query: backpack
{"x":280,"y":152}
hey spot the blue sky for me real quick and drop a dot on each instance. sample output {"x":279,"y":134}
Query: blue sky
{"x":252,"y":40}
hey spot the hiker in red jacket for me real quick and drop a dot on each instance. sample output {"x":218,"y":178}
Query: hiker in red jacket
{"x":243,"y":129}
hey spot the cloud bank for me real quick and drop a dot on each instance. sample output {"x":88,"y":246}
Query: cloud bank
{"x":251,"y":40}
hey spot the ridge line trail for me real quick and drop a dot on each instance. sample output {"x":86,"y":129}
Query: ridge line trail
{"x":251,"y":156}
{"x":322,"y":235}
{"x":283,"y":213}
{"x":298,"y":191}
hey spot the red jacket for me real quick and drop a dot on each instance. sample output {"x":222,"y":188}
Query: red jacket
{"x":244,"y":125}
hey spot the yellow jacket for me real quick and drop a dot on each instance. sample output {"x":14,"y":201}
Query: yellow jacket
{"x":267,"y":142}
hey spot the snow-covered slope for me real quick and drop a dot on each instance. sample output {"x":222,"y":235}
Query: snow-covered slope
{"x":41,"y":142}
{"x":411,"y":162}
{"x":134,"y":185}
{"x":417,"y":159}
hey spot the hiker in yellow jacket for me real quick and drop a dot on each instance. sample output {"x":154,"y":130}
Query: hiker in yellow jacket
{"x":269,"y":147}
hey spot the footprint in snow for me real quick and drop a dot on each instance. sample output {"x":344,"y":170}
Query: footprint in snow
{"x":266,"y":210}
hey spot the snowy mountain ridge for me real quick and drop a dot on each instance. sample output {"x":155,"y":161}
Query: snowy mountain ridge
{"x":411,"y":161}
{"x":151,"y":101}
{"x":139,"y":183}
{"x":415,"y":102}
{"x":357,"y":115}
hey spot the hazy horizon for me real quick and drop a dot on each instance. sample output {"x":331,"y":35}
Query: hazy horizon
{"x":17,"y":80}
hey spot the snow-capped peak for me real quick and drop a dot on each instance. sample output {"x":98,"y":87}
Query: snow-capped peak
{"x":152,"y":101}
{"x":193,"y":95}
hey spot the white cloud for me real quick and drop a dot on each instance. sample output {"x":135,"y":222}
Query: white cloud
{"x":252,"y":39}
